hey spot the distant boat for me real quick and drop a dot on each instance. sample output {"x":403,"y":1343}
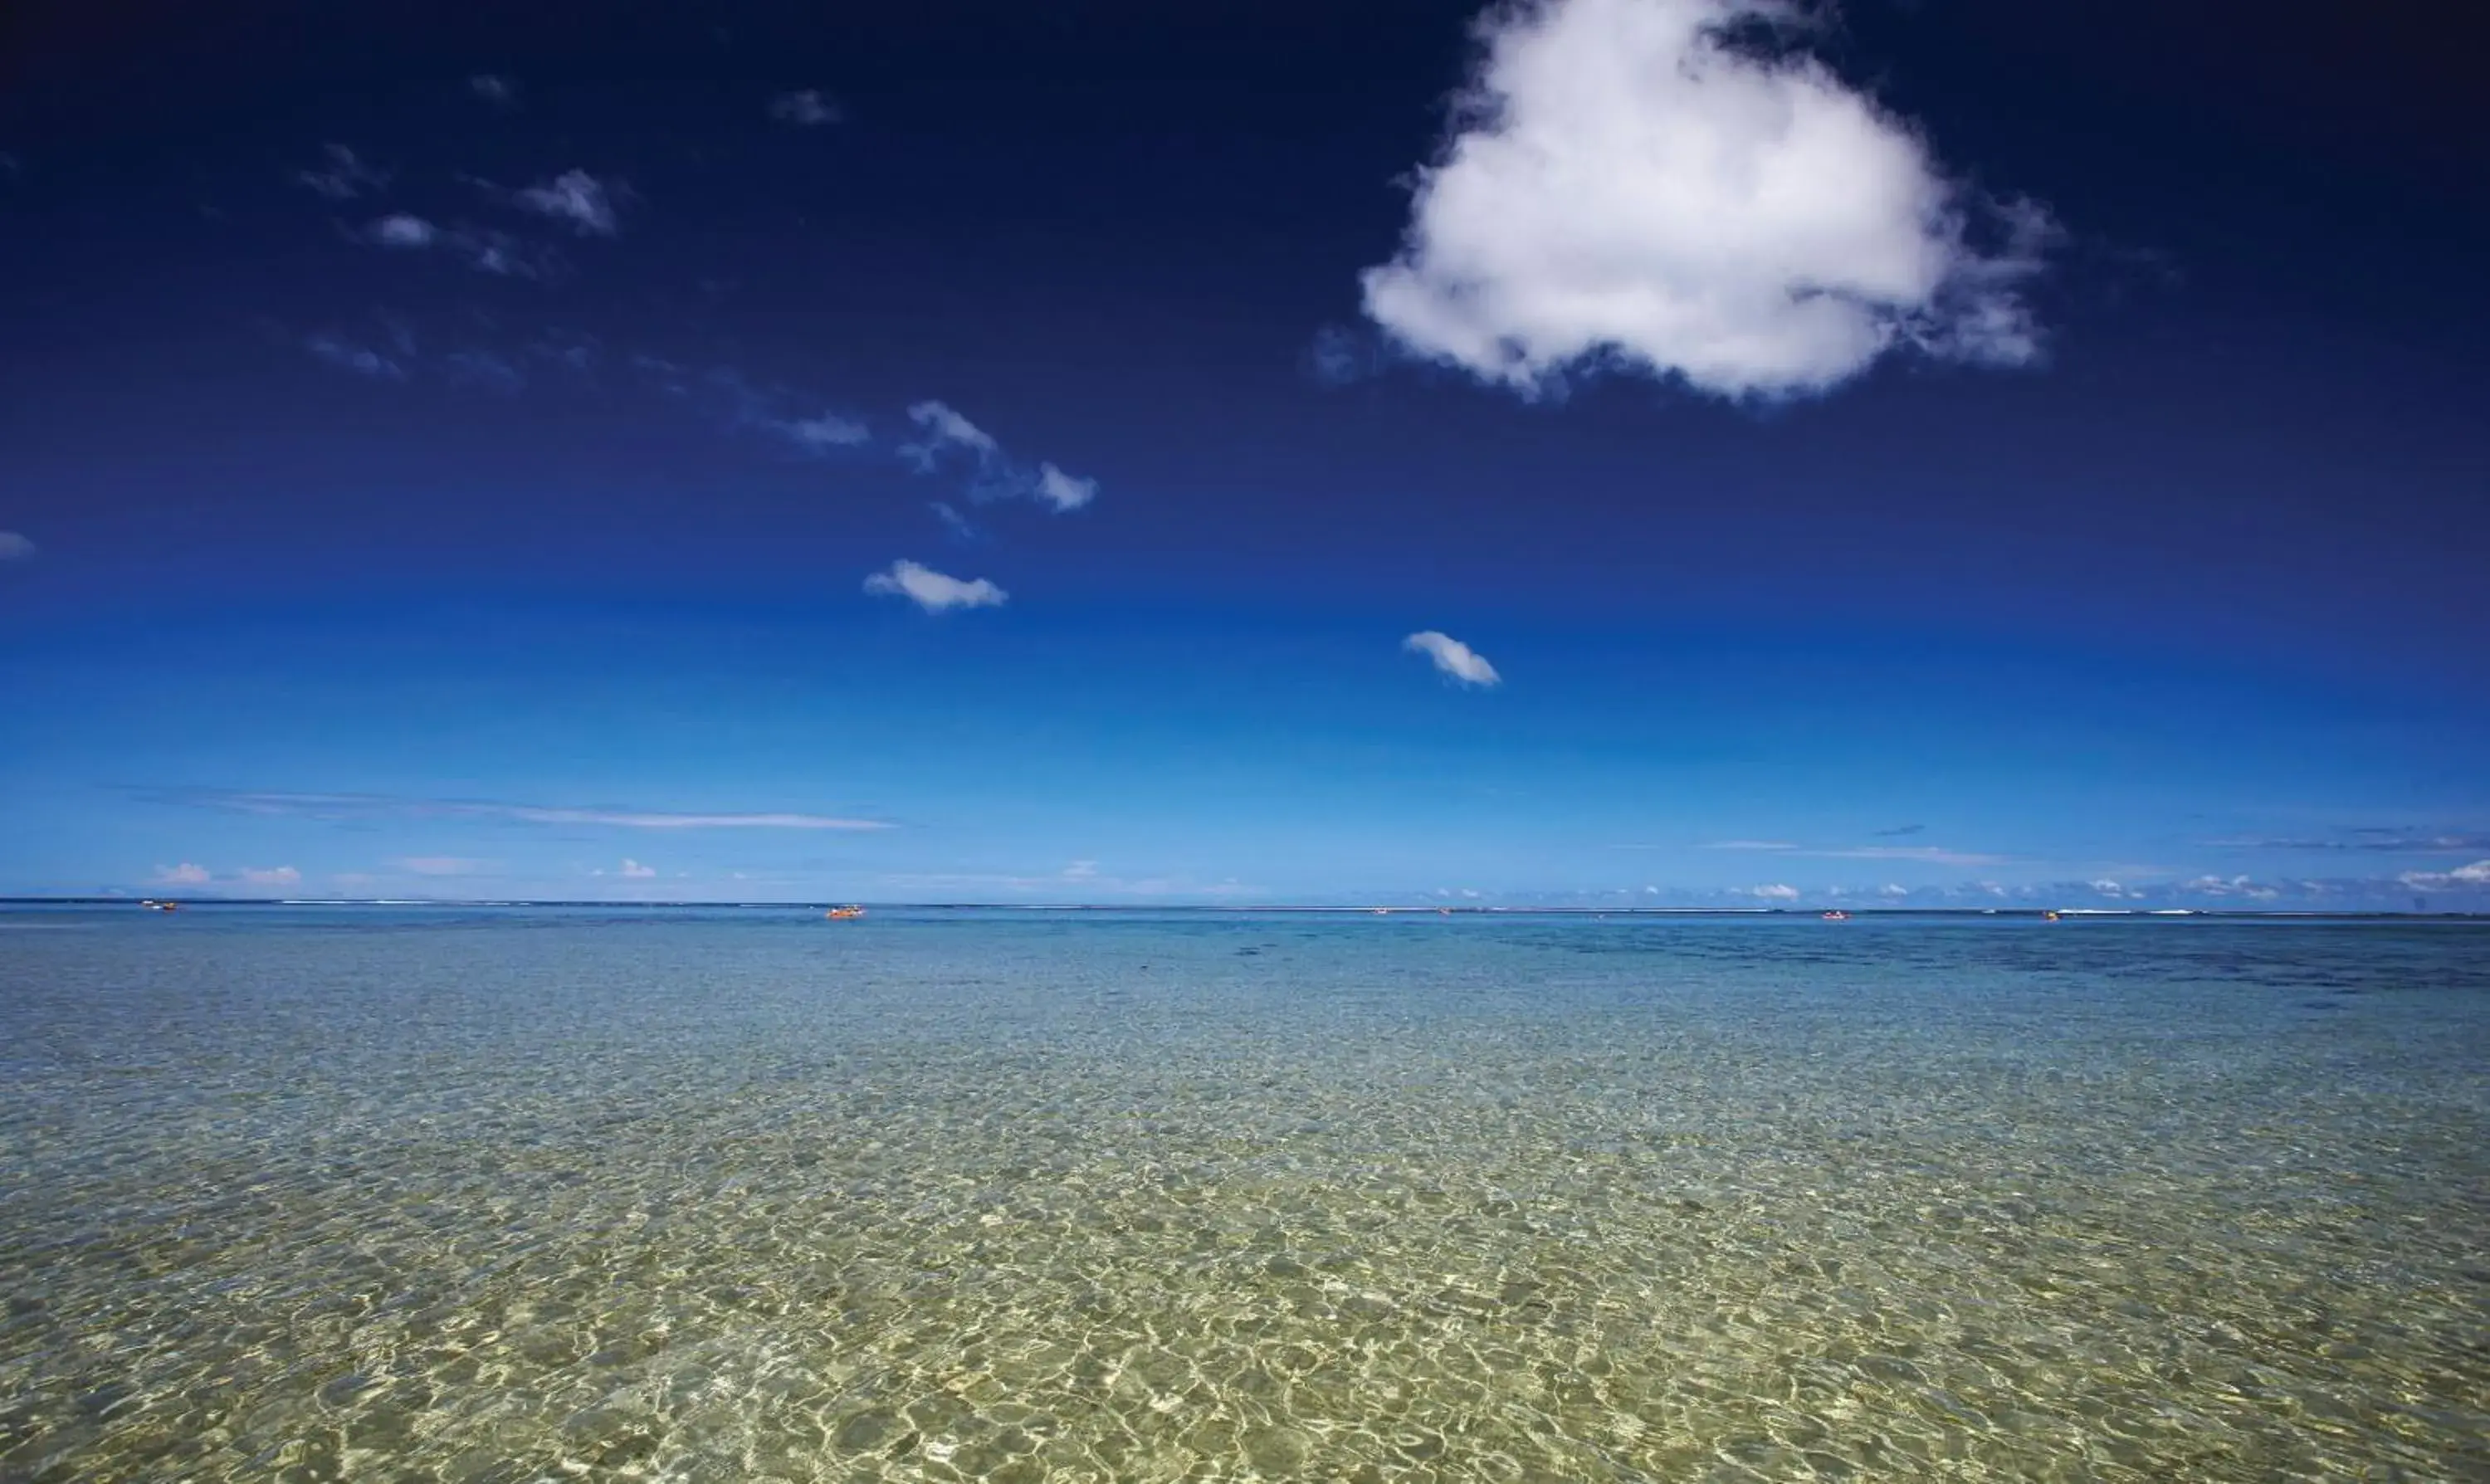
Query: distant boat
{"x":1837,"y":916}
{"x":841,"y":914}
{"x":2049,"y":916}
{"x":152,"y":905}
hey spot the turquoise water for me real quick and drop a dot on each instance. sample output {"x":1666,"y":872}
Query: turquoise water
{"x":555,"y":1195}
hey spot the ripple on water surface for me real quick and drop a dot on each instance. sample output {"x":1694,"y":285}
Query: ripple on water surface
{"x":530,"y":1197}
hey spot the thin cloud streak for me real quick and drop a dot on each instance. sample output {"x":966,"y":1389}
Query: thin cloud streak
{"x":340,"y":806}
{"x":2382,"y":842}
{"x":348,"y":356}
{"x":932,"y":590}
{"x":1933,"y":855}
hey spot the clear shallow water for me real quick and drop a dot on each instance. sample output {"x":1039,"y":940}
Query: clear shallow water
{"x":549,"y":1195}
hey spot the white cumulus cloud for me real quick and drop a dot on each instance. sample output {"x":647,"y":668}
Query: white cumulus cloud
{"x":1453,"y":657}
{"x":1776,"y":892}
{"x":932,"y":591}
{"x":188,"y":874}
{"x":635,"y":870}
{"x":1629,"y":187}
{"x":271,"y":875}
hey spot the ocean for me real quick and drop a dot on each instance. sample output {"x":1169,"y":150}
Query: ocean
{"x":485,"y":1195}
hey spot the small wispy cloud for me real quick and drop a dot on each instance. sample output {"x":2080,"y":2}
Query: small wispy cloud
{"x":486,"y":249}
{"x":741,"y":404}
{"x":944,"y":428}
{"x":1065,"y":491}
{"x":500,"y":254}
{"x":15,"y":548}
{"x":351,"y":356}
{"x":932,"y":590}
{"x":270,"y":876}
{"x":398,"y":229}
{"x":806,"y":109}
{"x":495,"y":88}
{"x":1337,"y":356}
{"x":1750,"y":845}
{"x":570,"y":350}
{"x":349,"y":806}
{"x":1898,"y":832}
{"x":945,"y":437}
{"x":575,"y":196}
{"x":1777,"y":892}
{"x":343,"y":175}
{"x":489,"y":369}
{"x":630,"y":868}
{"x":189,"y":873}
{"x":823,"y":433}
{"x":1453,"y":657}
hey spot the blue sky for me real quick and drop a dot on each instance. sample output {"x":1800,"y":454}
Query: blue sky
{"x":968,"y":458}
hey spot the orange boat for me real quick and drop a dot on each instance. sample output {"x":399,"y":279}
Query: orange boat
{"x":842,"y":912}
{"x":1837,"y":916}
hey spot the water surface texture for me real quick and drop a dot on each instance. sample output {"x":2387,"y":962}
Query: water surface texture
{"x":550,"y":1195}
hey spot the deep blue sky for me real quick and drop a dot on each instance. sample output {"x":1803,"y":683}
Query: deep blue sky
{"x":343,"y":567}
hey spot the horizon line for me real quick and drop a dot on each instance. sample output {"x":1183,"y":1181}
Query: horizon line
{"x":1393,"y":909}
